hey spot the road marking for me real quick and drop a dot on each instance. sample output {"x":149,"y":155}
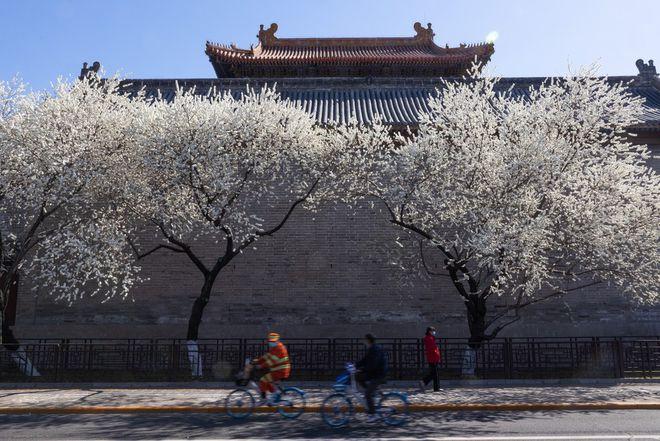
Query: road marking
{"x":503,"y":438}
{"x":544,"y":438}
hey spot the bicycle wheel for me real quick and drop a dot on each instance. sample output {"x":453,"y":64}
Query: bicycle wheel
{"x":239,"y":404}
{"x":336,"y":410}
{"x":393,"y":408}
{"x":291,"y":403}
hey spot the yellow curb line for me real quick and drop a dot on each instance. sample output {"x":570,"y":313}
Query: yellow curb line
{"x":504,"y":407}
{"x":522,"y":407}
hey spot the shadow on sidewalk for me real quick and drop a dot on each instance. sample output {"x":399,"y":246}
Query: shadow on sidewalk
{"x":151,"y":426}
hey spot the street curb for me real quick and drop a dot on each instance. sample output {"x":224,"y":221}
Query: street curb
{"x":503,"y":407}
{"x":447,"y":384}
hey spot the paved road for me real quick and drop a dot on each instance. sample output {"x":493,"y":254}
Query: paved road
{"x":74,"y":396}
{"x":573,"y":425}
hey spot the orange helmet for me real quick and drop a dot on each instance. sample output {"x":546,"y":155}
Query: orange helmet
{"x":273,"y":337}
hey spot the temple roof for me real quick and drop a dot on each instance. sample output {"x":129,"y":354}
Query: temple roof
{"x":399,"y":101}
{"x":318,"y":57}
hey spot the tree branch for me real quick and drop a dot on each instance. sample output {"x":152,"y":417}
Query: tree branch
{"x":277,"y":227}
{"x":185,"y":247}
{"x":229,"y":252}
{"x":518,"y":306}
{"x":499,"y":328}
{"x":422,"y":233}
{"x":233,"y":197}
{"x":140,"y":256}
{"x":457,"y":283}
{"x":289,"y":212}
{"x":428,"y":270}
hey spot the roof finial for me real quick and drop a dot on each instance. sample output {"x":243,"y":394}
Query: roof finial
{"x":87,"y":72}
{"x":646,"y":69}
{"x":267,"y":36}
{"x":647,"y":72}
{"x":426,"y":34}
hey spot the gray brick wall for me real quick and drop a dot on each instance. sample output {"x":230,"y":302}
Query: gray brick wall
{"x":320,"y":276}
{"x":308,"y":284}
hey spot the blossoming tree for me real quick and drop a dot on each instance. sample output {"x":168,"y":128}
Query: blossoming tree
{"x":228,"y":170}
{"x":528,"y":198}
{"x":56,"y":154}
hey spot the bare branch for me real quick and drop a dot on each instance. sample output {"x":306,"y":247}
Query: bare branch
{"x":428,"y":270}
{"x":185,"y":247}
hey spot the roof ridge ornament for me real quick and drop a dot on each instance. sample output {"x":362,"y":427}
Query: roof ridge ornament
{"x":646,"y":68}
{"x":88,"y":72}
{"x":415,"y":55}
{"x":423,"y":34}
{"x":267,"y":36}
{"x":647,"y":73}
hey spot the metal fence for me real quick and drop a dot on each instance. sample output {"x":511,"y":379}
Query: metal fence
{"x":323,"y":359}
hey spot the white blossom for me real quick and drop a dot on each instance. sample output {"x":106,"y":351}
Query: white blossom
{"x":58,"y":154}
{"x":530,"y":197}
{"x":226,"y":170}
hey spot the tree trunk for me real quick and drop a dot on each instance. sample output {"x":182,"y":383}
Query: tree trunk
{"x":196,"y":314}
{"x":194,"y":356}
{"x":17,"y":352}
{"x":7,"y":339}
{"x":469,"y":364}
{"x":476,"y":316}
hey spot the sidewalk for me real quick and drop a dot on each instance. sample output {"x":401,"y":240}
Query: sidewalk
{"x":137,"y":399}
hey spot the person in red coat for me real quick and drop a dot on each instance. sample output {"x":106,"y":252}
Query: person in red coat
{"x":433,"y":358}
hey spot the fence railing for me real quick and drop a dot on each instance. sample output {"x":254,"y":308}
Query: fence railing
{"x":323,"y":359}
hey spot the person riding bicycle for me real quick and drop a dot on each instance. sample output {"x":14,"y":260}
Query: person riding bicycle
{"x":276,"y":362}
{"x":371,"y":373}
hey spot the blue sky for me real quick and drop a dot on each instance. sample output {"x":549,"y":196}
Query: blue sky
{"x":43,"y":39}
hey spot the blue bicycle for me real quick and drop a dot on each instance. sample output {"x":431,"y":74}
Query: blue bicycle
{"x":338,"y":408}
{"x":241,"y":402}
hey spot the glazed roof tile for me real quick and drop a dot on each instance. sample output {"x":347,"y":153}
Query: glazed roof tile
{"x":420,"y":50}
{"x":399,"y":101}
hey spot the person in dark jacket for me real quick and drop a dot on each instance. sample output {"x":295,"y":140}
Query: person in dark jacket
{"x":371,"y":373}
{"x":433,"y":358}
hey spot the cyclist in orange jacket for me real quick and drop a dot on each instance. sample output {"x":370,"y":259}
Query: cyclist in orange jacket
{"x":276,"y":360}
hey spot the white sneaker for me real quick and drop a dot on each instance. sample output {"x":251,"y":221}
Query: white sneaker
{"x":373,"y":418}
